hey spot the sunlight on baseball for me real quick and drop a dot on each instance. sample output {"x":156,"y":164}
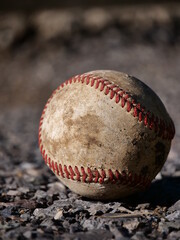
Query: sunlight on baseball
{"x":105,"y":134}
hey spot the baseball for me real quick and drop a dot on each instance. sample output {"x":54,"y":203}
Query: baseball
{"x":105,"y":134}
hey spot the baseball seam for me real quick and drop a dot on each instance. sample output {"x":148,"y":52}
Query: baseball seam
{"x":163,"y":130}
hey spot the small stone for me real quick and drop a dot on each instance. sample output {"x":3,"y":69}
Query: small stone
{"x":175,"y":207}
{"x":27,"y":234}
{"x":56,"y":188}
{"x":7,"y":212}
{"x":23,"y":189}
{"x":131,"y":224}
{"x":143,"y":206}
{"x":163,"y":228}
{"x":25,"y":216}
{"x":26,"y":165}
{"x":13,"y":193}
{"x":173,"y":216}
{"x":32,"y":172}
{"x":118,"y":233}
{"x":47,"y":223}
{"x":159,"y":176}
{"x":74,"y":227}
{"x":139,"y":236}
{"x":40,"y":194}
{"x":174,"y":236}
{"x":39,"y":213}
{"x":66,"y":224}
{"x":59,"y":214}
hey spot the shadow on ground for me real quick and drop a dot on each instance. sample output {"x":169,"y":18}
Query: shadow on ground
{"x":164,"y":192}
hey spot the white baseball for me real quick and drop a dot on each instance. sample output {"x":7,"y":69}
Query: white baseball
{"x":105,"y":134}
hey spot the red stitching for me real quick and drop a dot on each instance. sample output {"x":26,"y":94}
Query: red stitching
{"x":96,"y":175}
{"x":107,"y":91}
{"x":135,"y":114}
{"x":124,"y":177}
{"x":52,"y":165}
{"x":164,"y":130}
{"x":61,"y":171}
{"x":140,"y":117}
{"x":71,"y":172}
{"x":103,"y":176}
{"x":49,"y":162}
{"x":122,"y":102}
{"x":46,"y":159}
{"x":84,"y":175}
{"x":66,"y":171}
{"x":117,"y":99}
{"x":111,"y":177}
{"x":90,"y":174}
{"x":77,"y":174}
{"x":56,"y":168}
{"x":129,"y":106}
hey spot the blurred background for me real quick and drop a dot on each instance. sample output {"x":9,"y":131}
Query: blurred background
{"x":43,"y":43}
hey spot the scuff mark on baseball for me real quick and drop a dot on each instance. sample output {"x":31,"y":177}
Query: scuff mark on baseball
{"x":105,"y":134}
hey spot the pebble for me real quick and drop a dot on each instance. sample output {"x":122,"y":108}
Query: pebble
{"x":56,"y":188}
{"x":25,"y":216}
{"x":40,"y":194}
{"x":131,"y":225}
{"x":173,"y":216}
{"x":27,"y":234}
{"x":59,"y":214}
{"x":13,"y":193}
{"x":175,"y":207}
{"x":39,"y":213}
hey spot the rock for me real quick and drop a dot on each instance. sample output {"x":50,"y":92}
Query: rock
{"x":40,"y":194}
{"x":13,"y":193}
{"x":66,"y":224}
{"x":131,"y":225}
{"x":7,"y":212}
{"x":163,"y":228}
{"x":139,"y":236}
{"x":25,"y":216}
{"x":175,"y":207}
{"x":143,"y":206}
{"x":95,"y":234}
{"x":58,"y":215}
{"x":39,"y":213}
{"x":97,"y":209}
{"x":56,"y":188}
{"x":118,"y":233}
{"x":174,"y":236}
{"x":74,"y":227}
{"x":27,"y":234}
{"x":23,"y":190}
{"x":47,"y":223}
{"x":159,"y":176}
{"x":173,"y":216}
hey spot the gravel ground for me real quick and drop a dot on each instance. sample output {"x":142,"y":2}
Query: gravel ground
{"x":34,"y":59}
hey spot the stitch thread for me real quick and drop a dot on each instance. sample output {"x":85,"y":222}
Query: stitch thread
{"x":164,"y":130}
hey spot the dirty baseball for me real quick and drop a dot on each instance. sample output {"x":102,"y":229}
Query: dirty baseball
{"x":105,"y":134}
